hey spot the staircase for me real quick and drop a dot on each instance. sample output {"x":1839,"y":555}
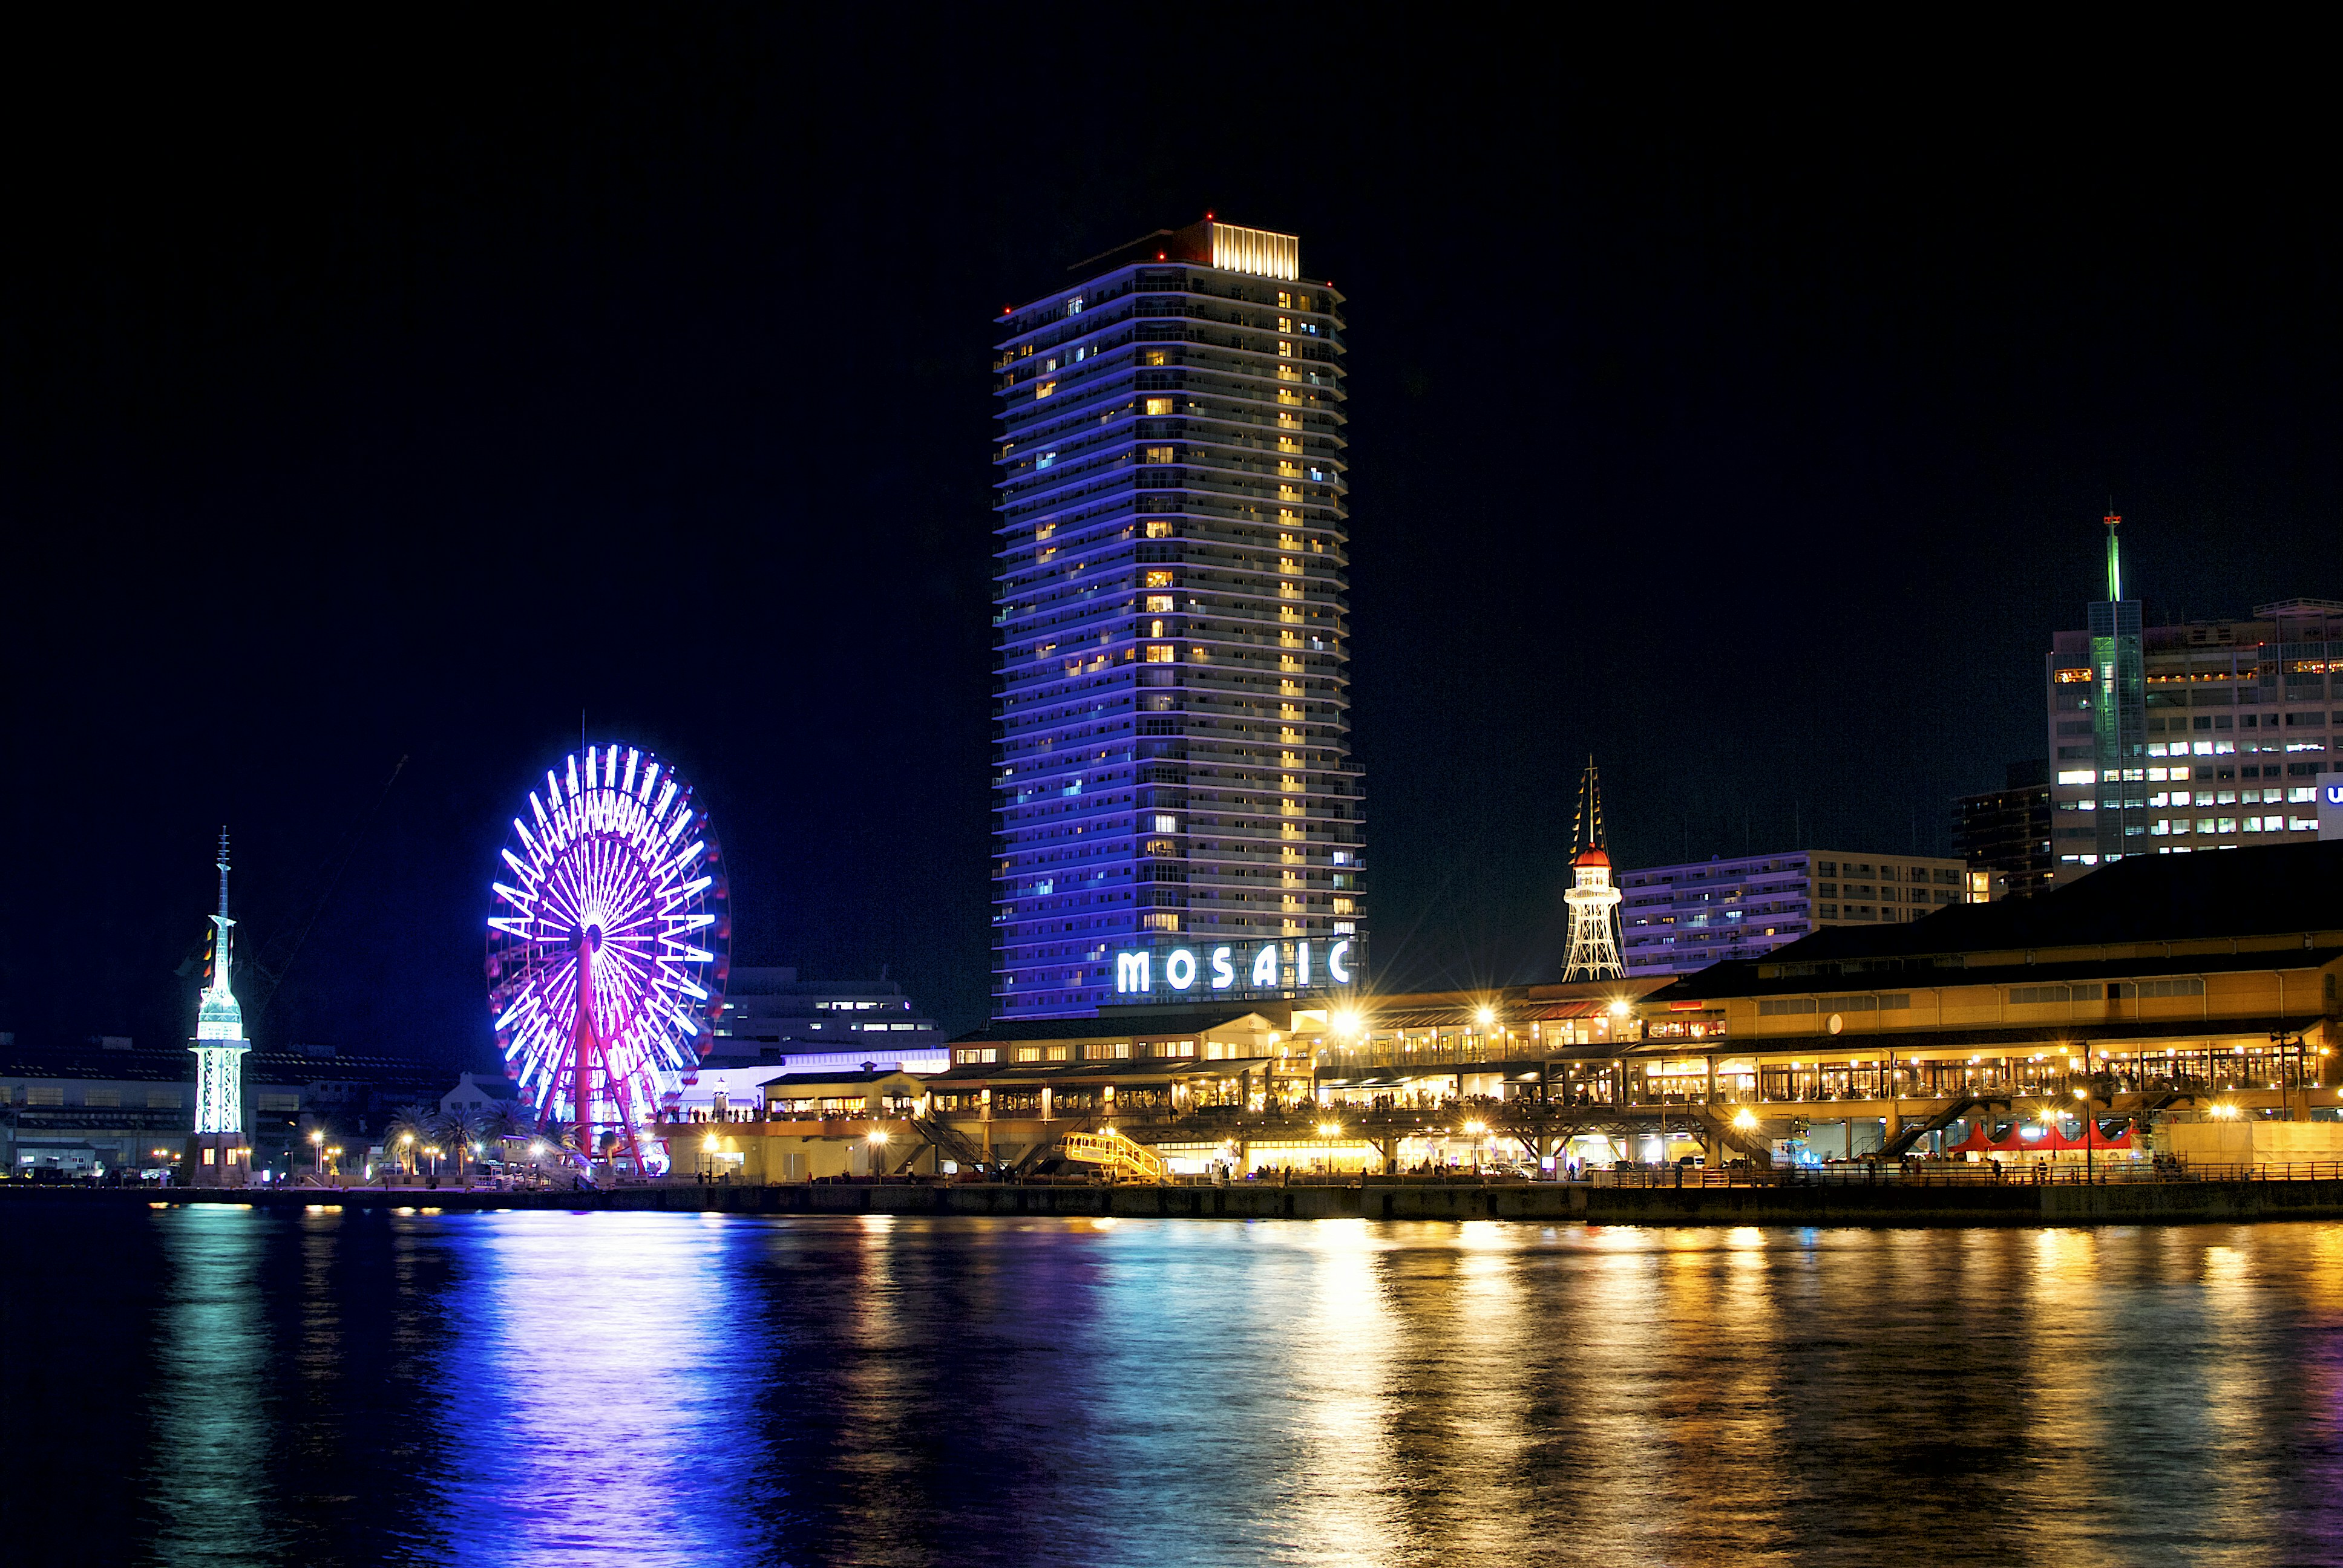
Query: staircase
{"x":1124,"y":1159}
{"x":950,"y":1142}
{"x":1752,"y":1143}
{"x":1046,"y":1146}
{"x":1912,"y":1132}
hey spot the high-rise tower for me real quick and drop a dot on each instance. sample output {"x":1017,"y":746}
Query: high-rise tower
{"x":1177,"y":809}
{"x":218,"y":1154}
{"x":2107,"y":702}
{"x":1594,"y":901}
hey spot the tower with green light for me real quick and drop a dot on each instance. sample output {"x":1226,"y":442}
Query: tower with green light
{"x":2118,"y":714}
{"x":218,"y":1153}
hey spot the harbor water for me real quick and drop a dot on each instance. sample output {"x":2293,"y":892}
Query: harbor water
{"x":217,"y":1385}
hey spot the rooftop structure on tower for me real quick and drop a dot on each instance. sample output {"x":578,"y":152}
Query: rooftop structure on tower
{"x":1594,"y":901}
{"x":219,"y":1154}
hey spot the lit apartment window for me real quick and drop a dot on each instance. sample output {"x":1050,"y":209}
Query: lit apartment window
{"x":1158,"y":406}
{"x":1158,"y":604}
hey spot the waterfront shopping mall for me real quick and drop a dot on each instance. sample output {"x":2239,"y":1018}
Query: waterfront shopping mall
{"x":2180,"y":1006}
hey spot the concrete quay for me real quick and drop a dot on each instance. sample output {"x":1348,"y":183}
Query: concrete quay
{"x":1893,"y":1203}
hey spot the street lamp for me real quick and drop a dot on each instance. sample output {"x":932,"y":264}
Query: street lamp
{"x":317,"y":1154}
{"x":1476,"y":1129}
{"x":2085,"y":1096}
{"x":877,"y":1139}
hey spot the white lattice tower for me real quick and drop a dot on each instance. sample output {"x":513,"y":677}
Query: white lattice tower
{"x":1594,"y":901}
{"x":217,"y":1154}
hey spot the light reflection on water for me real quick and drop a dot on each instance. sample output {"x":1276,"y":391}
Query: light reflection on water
{"x":203,"y":1483}
{"x":652,"y":1389}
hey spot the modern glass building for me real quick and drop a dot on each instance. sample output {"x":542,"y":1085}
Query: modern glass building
{"x":1177,"y":808}
{"x":2206,"y":735}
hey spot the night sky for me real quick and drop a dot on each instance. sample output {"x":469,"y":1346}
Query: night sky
{"x":1733,"y":406}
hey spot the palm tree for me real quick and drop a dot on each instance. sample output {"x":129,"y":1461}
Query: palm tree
{"x":408,"y":1127}
{"x":459,"y":1131}
{"x":512,"y":1122}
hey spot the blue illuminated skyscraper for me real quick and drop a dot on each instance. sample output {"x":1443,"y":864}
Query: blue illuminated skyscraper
{"x":1173,"y":771}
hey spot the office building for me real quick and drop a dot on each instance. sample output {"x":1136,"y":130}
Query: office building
{"x":1178,"y":812}
{"x":2003,"y":835}
{"x":773,"y":1018}
{"x":2218,"y":744}
{"x":1680,"y":919}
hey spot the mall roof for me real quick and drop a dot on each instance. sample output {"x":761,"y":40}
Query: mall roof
{"x":2280,"y":890}
{"x":1168,"y":1025}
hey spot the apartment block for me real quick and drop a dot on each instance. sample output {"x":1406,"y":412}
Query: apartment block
{"x":2005,"y":833}
{"x":1680,"y":919}
{"x":1177,"y":810}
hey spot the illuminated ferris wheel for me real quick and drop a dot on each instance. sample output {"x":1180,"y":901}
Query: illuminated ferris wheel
{"x":608,"y":954}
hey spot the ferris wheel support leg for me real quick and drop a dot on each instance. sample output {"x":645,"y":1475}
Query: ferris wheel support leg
{"x":587,"y":1041}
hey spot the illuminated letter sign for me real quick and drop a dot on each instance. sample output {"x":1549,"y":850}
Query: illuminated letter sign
{"x":2331,"y":812}
{"x":1134,"y":972}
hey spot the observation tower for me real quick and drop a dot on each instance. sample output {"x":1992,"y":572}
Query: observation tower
{"x":217,"y":1153}
{"x":1594,"y":901}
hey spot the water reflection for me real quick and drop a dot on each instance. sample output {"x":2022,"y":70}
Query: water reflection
{"x":604,"y":1365}
{"x":654,"y":1389}
{"x":204,"y":1479}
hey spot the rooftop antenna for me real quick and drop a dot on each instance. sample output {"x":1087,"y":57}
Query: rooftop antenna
{"x":2115,"y":555}
{"x":1586,"y":829}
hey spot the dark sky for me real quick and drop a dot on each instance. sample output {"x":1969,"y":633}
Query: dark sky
{"x":1733,"y":405}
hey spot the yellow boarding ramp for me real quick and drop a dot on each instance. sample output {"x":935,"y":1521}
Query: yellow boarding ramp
{"x":1123,"y":1159}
